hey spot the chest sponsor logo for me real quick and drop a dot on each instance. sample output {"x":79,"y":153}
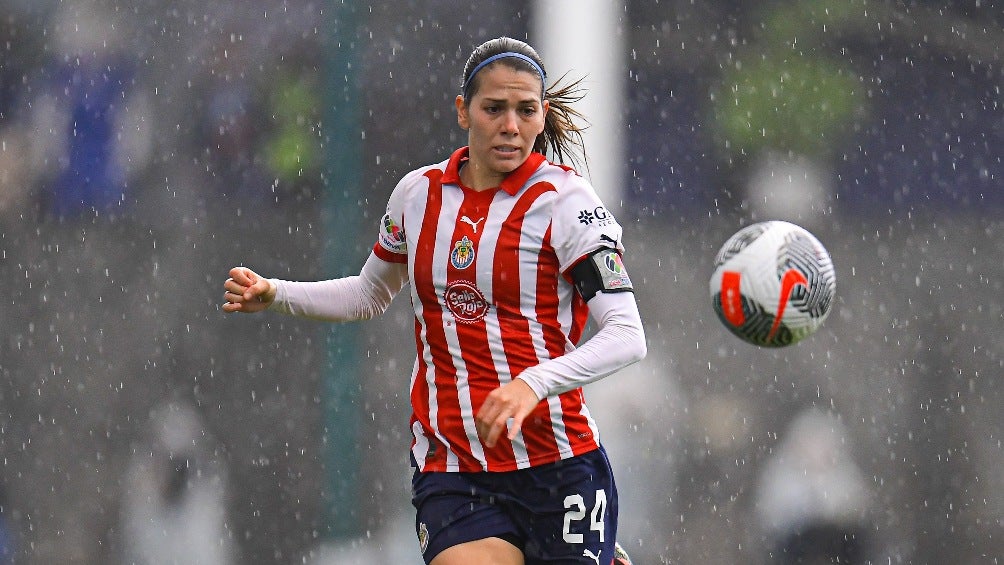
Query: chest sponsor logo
{"x":462,"y":255}
{"x":465,"y":302}
{"x":598,"y":216}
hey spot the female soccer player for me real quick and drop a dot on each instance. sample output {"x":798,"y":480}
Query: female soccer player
{"x":507,"y":255}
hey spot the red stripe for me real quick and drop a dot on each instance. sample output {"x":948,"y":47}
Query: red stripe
{"x":577,"y":430}
{"x":579,"y":433}
{"x":538,"y":433}
{"x":435,"y":458}
{"x":482,"y":377}
{"x":447,"y":400}
{"x":547,"y":298}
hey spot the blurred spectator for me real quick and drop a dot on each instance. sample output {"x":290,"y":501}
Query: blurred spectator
{"x":811,"y":498}
{"x":789,"y":187}
{"x":174,"y":502}
{"x":258,"y":138}
{"x":87,"y":119}
{"x":293,"y":147}
{"x":234,"y":118}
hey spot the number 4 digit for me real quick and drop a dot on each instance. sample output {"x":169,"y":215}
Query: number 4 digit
{"x":578,"y":512}
{"x":599,"y":511}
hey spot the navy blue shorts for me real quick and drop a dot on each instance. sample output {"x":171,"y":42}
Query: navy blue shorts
{"x":561,"y":513}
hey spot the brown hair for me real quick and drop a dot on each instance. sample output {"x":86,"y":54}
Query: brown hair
{"x":561,"y":132}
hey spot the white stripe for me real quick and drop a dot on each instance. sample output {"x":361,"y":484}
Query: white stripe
{"x":417,"y":211}
{"x":499,"y":210}
{"x":558,"y":427}
{"x":421,"y":448}
{"x":537,"y":225}
{"x":466,"y":404}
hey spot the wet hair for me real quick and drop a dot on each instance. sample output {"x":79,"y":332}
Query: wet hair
{"x":561,"y":132}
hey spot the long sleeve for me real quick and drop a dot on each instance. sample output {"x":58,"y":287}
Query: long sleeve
{"x":619,"y":342}
{"x":358,"y":297}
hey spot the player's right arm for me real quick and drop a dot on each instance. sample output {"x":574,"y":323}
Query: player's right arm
{"x":370,"y":293}
{"x":358,"y":297}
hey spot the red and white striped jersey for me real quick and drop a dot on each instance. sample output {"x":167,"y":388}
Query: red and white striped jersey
{"x":492,"y":297}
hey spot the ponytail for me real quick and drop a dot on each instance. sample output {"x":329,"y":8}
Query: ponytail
{"x":561,"y":132}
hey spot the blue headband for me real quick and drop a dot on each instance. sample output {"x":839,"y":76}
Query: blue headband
{"x":494,"y":58}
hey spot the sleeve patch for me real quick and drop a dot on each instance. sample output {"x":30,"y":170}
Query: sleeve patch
{"x":392,"y":237}
{"x":601,"y":271}
{"x":613,"y":274}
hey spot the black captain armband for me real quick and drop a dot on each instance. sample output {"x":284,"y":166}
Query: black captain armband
{"x":600,"y":271}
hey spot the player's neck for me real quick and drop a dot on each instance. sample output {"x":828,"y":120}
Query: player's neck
{"x":479,"y":178}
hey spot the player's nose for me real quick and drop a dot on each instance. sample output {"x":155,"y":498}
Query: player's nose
{"x":510,"y":123}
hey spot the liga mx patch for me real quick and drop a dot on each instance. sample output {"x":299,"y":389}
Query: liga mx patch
{"x":392,"y":236}
{"x":613,"y":274}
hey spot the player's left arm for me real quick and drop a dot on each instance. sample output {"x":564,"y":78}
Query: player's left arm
{"x":618,"y":342}
{"x":587,"y":240}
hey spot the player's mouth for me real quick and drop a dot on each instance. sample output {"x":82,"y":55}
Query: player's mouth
{"x":506,"y":150}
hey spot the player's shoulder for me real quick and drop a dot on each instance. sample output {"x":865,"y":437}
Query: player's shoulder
{"x":563,"y":178}
{"x":420,"y":175}
{"x":414,"y":182}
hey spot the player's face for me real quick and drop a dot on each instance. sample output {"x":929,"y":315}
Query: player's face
{"x":502,"y":119}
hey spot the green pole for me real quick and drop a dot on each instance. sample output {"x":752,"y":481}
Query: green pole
{"x":340,"y":226}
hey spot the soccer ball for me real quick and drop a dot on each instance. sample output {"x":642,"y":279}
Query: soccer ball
{"x":773,"y":284}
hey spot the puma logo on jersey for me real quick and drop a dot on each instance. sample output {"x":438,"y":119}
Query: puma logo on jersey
{"x":471,"y":222}
{"x":594,"y":556}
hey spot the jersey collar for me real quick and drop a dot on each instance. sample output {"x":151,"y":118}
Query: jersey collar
{"x":511,"y":183}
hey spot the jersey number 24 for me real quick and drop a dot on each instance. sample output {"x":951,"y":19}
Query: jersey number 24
{"x":577,"y":511}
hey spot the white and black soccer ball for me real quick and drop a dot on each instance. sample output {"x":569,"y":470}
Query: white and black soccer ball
{"x":773,"y":284}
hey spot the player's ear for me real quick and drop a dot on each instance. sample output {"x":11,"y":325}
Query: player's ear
{"x":462,"y":117}
{"x":545,"y":108}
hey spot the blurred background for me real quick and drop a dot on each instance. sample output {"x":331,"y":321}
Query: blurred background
{"x":147,"y":147}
